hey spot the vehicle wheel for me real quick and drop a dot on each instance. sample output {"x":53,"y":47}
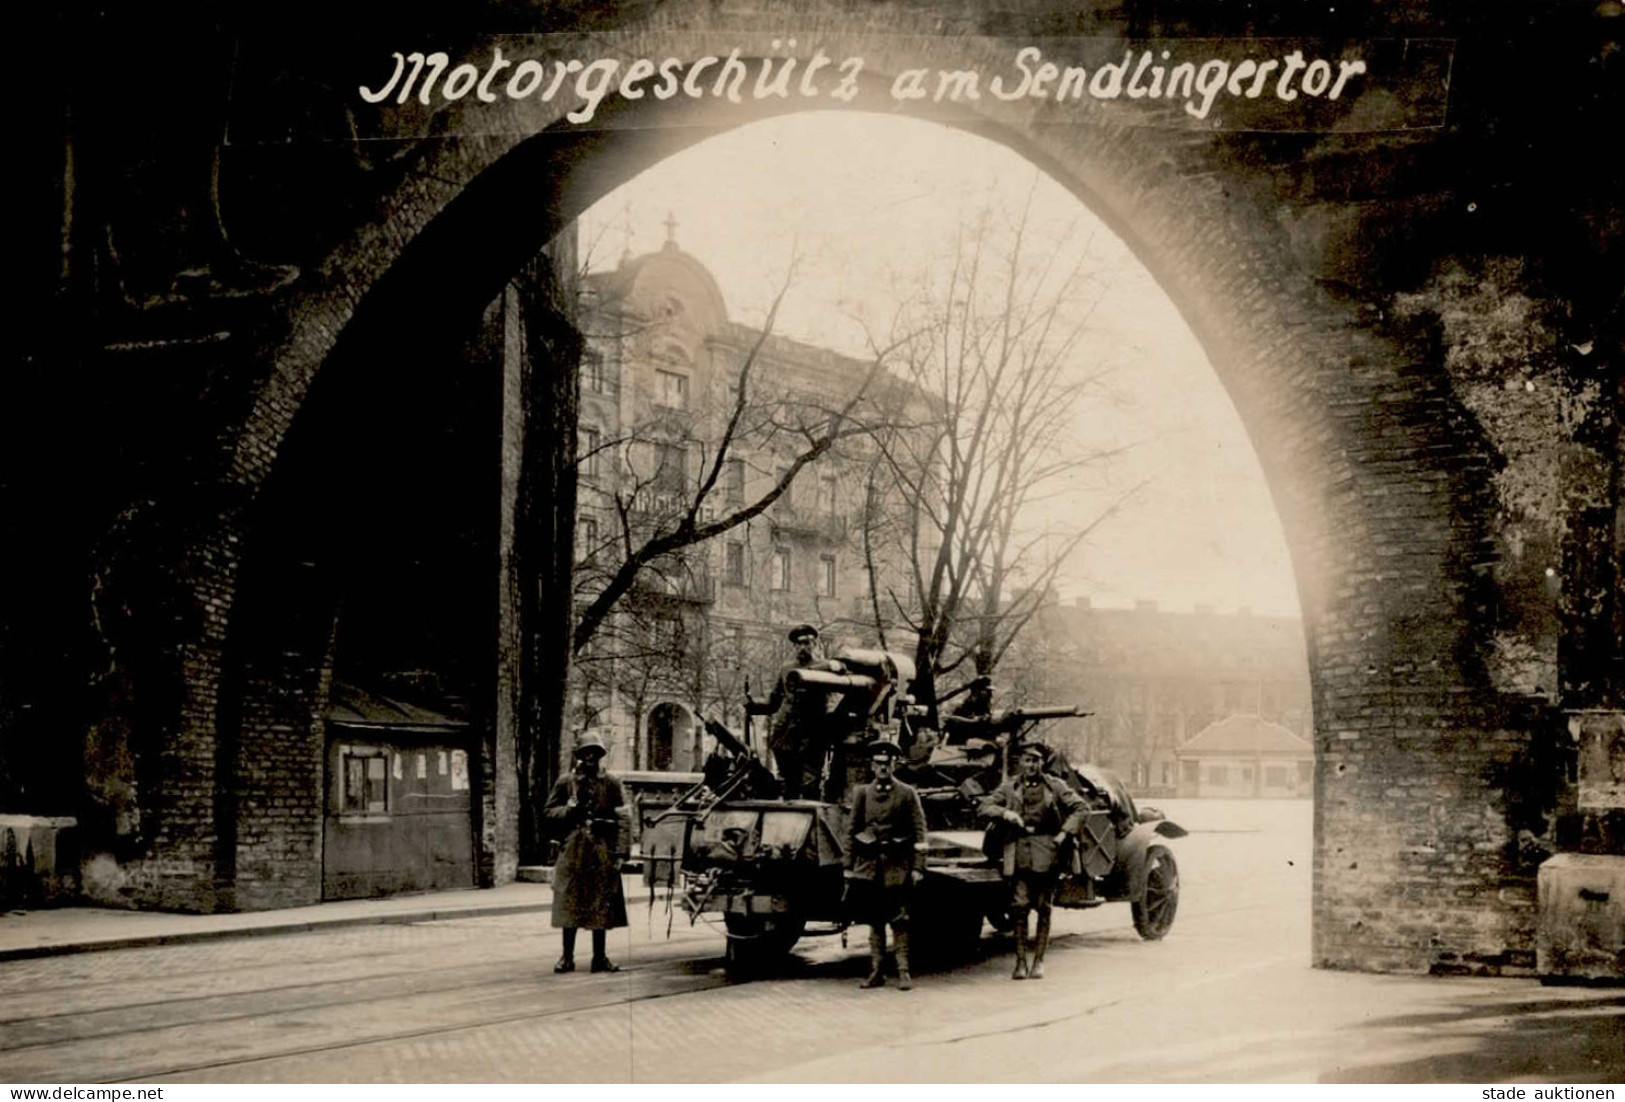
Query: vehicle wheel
{"x":755,"y":947}
{"x":1154,"y":913}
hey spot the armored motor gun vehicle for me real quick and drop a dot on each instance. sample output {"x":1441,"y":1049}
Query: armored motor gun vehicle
{"x":771,"y":868}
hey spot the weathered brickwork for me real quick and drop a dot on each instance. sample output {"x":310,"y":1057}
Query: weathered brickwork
{"x":1435,"y":407}
{"x":279,"y":795}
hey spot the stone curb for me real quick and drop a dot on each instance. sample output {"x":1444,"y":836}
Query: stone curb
{"x":188,"y":937}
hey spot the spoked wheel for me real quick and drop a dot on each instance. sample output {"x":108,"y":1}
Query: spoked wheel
{"x":755,"y":946}
{"x":1154,"y":913}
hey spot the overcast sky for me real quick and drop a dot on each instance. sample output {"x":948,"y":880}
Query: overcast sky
{"x":867,"y":205}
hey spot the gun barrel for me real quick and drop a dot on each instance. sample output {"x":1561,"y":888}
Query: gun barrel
{"x":726,"y":738}
{"x":1054,"y":711}
{"x":823,"y":679}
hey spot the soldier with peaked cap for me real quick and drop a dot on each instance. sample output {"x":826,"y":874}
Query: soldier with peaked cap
{"x":591,"y":806}
{"x":1032,"y":814}
{"x":796,"y":732}
{"x":886,"y":825}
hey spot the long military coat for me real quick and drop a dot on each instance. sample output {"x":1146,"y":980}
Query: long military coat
{"x":798,"y":713}
{"x":587,"y":878}
{"x":893,"y":818}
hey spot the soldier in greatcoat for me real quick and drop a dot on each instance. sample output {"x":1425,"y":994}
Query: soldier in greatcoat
{"x":885,"y":828}
{"x":590,"y":805}
{"x":1032,"y":815}
{"x":796,"y":733}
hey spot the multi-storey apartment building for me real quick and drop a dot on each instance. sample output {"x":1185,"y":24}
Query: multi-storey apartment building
{"x":660,"y":432}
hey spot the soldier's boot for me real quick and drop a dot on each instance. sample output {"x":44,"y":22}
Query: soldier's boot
{"x":905,"y":982}
{"x":1040,"y":944}
{"x":1020,"y":972}
{"x":877,"y":958}
{"x":600,"y":956}
{"x":567,"y":962}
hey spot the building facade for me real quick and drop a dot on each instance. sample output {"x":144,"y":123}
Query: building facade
{"x":663,"y":433}
{"x":1246,"y":757}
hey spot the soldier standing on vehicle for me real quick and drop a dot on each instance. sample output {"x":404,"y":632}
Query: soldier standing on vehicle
{"x":587,"y":893}
{"x":1033,"y":814}
{"x":796,"y":735}
{"x":886,"y":825}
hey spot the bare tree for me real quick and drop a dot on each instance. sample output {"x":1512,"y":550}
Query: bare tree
{"x":655,"y":510}
{"x":994,"y":351}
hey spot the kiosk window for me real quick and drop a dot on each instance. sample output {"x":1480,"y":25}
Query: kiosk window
{"x":366,"y":785}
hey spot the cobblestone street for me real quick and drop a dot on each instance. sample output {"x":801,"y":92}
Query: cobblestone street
{"x":1228,"y":996}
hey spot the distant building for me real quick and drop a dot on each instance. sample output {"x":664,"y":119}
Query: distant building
{"x":1154,"y":680}
{"x":1246,"y":757}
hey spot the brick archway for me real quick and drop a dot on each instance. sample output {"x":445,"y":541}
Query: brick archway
{"x":1387,"y":518}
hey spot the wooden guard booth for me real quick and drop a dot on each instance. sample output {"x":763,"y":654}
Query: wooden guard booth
{"x":398,"y":813}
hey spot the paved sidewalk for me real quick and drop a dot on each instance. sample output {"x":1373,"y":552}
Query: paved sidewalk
{"x":58,"y":930}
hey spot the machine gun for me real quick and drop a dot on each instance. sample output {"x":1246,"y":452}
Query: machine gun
{"x":737,"y":774}
{"x":1007,"y":728}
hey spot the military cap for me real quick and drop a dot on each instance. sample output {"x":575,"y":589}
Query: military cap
{"x":884,"y":746}
{"x":1035,"y":748}
{"x":803,"y":631}
{"x":591,"y":742}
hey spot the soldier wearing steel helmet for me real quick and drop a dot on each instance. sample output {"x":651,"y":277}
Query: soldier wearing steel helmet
{"x":590,"y":805}
{"x":886,"y":826}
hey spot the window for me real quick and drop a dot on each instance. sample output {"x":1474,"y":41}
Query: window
{"x":733,"y":481}
{"x":586,"y":539}
{"x":827,"y":494}
{"x":733,"y":564}
{"x":1218,"y":774}
{"x":786,"y":500}
{"x":669,"y":636}
{"x":671,"y":467}
{"x":1306,"y":772}
{"x":592,"y":371}
{"x":365,"y":780}
{"x":1275,"y":776}
{"x":736,"y":644}
{"x":1192,"y":771}
{"x":826,"y":575}
{"x":673,"y":389}
{"x":1167,"y":772}
{"x":781,"y":568}
{"x":591,"y":440}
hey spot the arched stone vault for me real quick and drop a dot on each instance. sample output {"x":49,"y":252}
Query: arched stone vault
{"x":1383,"y":477}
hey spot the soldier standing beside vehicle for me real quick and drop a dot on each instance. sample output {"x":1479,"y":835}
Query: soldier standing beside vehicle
{"x":796,"y":735}
{"x":886,"y":825}
{"x":587,"y":893}
{"x":1033,"y":815}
